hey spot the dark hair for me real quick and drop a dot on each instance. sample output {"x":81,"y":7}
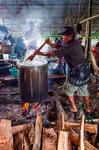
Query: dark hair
{"x":69,"y":30}
{"x":97,"y":45}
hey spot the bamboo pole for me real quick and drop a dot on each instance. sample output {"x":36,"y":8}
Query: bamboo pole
{"x":89,"y":18}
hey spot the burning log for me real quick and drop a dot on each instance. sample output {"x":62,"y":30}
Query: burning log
{"x":6,"y":139}
{"x":38,"y":132}
{"x":63,"y":140}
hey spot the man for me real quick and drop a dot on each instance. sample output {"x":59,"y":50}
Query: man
{"x":74,"y":56}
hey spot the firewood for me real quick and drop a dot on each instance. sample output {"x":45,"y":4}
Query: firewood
{"x":38,"y":132}
{"x":49,"y":139}
{"x":6,"y":138}
{"x":31,"y":135}
{"x":75,"y":139}
{"x":81,"y":147}
{"x":63,"y":141}
{"x":21,"y":142}
{"x":19,"y":128}
{"x":92,"y":128}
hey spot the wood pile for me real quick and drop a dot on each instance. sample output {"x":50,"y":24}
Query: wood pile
{"x":61,"y":135}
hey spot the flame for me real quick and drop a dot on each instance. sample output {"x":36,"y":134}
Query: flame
{"x":25,"y":106}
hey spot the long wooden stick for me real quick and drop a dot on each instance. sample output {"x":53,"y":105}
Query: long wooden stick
{"x":90,"y":18}
{"x":82,"y":134}
{"x":31,"y":57}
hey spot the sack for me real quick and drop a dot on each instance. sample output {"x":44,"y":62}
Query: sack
{"x":80,"y":75}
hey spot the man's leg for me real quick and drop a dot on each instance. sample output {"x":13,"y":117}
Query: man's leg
{"x":87,"y":104}
{"x":69,"y":90}
{"x":83,"y":92}
{"x":73,"y":107}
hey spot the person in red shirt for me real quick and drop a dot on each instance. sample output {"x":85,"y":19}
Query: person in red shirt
{"x":96,"y":53}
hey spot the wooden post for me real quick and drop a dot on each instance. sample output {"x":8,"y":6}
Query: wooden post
{"x":38,"y":132}
{"x":6,"y":139}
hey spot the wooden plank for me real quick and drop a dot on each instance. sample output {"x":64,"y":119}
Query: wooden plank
{"x":63,"y":141}
{"x":38,"y":132}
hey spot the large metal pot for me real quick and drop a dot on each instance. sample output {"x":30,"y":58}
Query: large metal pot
{"x":33,"y":81}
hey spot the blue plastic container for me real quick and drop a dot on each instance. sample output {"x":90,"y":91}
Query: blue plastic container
{"x":14,"y":71}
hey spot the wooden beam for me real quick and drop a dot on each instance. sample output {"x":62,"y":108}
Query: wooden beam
{"x":63,"y":141}
{"x":38,"y":132}
{"x":92,"y":128}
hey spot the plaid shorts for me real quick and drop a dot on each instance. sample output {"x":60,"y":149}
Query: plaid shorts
{"x":70,"y":89}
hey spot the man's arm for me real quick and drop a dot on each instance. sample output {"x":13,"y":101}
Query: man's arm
{"x":53,"y":45}
{"x":48,"y":54}
{"x":94,"y":64}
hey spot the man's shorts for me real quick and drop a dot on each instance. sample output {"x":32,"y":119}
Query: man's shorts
{"x":70,"y":89}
